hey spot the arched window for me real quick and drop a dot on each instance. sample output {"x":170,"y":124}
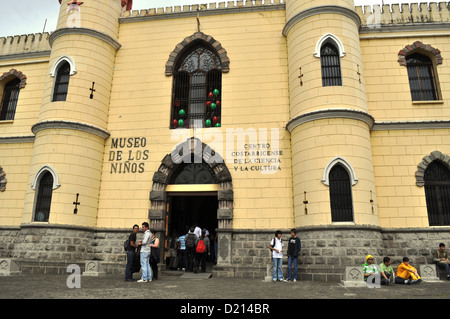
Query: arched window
{"x":43,"y":197}
{"x":9,"y":100}
{"x":331,"y":65}
{"x":437,"y":193}
{"x":422,"y":78}
{"x":197,"y":87}
{"x":61,"y":85}
{"x":340,"y":194}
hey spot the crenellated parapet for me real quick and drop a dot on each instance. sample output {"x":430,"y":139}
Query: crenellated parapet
{"x":195,"y":9}
{"x":401,"y":14}
{"x":30,"y":44}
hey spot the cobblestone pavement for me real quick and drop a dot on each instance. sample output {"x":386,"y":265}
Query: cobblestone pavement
{"x":171,"y":286}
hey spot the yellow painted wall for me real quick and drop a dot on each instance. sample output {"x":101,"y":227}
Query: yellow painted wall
{"x":254,"y":95}
{"x":396,"y":154}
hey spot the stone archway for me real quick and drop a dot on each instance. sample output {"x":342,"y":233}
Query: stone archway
{"x":170,"y":163}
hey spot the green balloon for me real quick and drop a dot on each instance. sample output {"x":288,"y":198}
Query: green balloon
{"x":218,"y":125}
{"x":213,"y":106}
{"x":208,"y":123}
{"x":180,"y":123}
{"x":182,"y":112}
{"x":216,"y":92}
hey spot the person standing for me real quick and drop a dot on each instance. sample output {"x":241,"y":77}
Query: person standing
{"x":155,"y":253}
{"x":294,"y":247}
{"x":276,"y":246}
{"x":202,"y":251}
{"x":191,"y":238}
{"x":181,"y":252}
{"x":145,"y":254}
{"x":441,"y":259}
{"x":131,"y":251}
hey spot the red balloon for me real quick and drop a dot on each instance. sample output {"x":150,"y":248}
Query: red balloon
{"x":218,"y":103}
{"x":175,"y":122}
{"x":215,"y":119}
{"x":177,"y":103}
{"x":208,"y":104}
{"x":211,"y":95}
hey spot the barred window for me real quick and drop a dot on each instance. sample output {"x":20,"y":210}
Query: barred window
{"x":197,"y":89}
{"x":331,"y":65}
{"x":340,"y":194}
{"x":61,"y":82}
{"x":422,"y":78}
{"x":437,"y":193}
{"x":44,"y":197}
{"x":9,"y":100}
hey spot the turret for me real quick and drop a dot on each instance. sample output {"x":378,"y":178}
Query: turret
{"x":330,"y":124}
{"x":71,"y":130}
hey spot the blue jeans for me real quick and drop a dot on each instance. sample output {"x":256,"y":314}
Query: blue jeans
{"x":145,"y":266}
{"x":129,"y":269}
{"x":292,"y":259}
{"x":277,"y":273}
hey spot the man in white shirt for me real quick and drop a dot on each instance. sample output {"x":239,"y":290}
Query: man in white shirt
{"x":276,"y":246}
{"x":145,"y":254}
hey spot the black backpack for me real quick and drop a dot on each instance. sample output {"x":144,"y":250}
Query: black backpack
{"x":126,"y":243}
{"x":190,"y":240}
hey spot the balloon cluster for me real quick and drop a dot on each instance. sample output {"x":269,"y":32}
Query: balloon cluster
{"x":181,"y":112}
{"x":212,"y":104}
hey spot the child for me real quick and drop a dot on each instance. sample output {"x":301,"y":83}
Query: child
{"x":276,"y":246}
{"x":294,"y":247}
{"x":405,"y":271}
{"x":387,"y":272}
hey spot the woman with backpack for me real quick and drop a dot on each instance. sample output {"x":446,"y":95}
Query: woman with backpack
{"x":202,"y":250}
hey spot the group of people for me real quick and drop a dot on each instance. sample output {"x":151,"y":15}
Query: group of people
{"x":189,"y":252}
{"x":406,"y":274}
{"x":147,"y":251}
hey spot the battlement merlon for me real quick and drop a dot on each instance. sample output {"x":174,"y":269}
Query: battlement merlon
{"x":395,"y":14}
{"x":401,"y":14}
{"x":25,"y":46}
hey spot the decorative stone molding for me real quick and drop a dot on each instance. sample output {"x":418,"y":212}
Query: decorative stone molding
{"x":187,"y":42}
{"x":68,"y":59}
{"x":170,"y":164}
{"x":329,"y":38}
{"x":330,"y":113}
{"x":70,"y":126}
{"x":420,"y":173}
{"x":42,"y":170}
{"x":321,"y":10}
{"x":17,"y":74}
{"x":85,"y":31}
{"x":419,"y":46}
{"x":344,"y":163}
{"x":2,"y":180}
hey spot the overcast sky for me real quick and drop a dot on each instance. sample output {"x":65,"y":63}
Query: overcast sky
{"x":28,"y":16}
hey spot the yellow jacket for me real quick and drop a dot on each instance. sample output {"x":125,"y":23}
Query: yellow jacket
{"x":402,"y":270}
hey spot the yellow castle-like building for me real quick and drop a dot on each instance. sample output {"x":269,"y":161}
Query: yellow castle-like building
{"x":243,"y":117}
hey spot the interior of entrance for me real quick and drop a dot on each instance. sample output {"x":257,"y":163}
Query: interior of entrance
{"x":189,"y":209}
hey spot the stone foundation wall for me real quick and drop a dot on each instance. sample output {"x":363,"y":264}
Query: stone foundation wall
{"x":326,"y":251}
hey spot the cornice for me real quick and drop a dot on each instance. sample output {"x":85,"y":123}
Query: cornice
{"x":47,"y":125}
{"x":85,"y":31}
{"x":321,"y":10}
{"x":328,"y":114}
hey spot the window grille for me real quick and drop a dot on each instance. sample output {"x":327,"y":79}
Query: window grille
{"x":331,"y":65}
{"x":44,"y":198}
{"x":437,"y":193}
{"x":340,"y":194}
{"x":197,"y":86}
{"x":62,"y":82}
{"x":422,"y":78}
{"x":9,"y":100}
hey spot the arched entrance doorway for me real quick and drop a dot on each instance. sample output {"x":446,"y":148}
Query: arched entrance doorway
{"x":193,"y":176}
